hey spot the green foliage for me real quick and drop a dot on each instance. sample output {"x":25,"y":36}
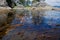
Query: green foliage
{"x":22,"y":1}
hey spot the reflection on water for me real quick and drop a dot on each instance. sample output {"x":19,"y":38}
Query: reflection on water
{"x":52,"y":17}
{"x":30,"y":26}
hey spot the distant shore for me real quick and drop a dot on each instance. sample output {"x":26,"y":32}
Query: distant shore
{"x":38,"y":8}
{"x":7,"y":9}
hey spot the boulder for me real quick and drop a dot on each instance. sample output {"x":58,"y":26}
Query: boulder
{"x":39,"y":4}
{"x":3,"y":3}
{"x":3,"y":14}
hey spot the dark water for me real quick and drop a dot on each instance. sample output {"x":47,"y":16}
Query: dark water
{"x":47,"y":25}
{"x":57,"y":6}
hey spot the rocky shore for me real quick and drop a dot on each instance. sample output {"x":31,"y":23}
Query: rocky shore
{"x":7,"y":15}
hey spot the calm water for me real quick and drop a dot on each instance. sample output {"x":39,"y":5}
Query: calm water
{"x":57,"y":6}
{"x":35,"y":24}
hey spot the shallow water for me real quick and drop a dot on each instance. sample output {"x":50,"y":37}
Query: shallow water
{"x":31,"y":26}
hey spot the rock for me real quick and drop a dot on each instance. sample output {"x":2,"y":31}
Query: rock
{"x":4,"y":10}
{"x":19,"y":6}
{"x":3,"y":18}
{"x":39,"y":4}
{"x":19,"y":9}
{"x":3,"y":14}
{"x":3,"y":3}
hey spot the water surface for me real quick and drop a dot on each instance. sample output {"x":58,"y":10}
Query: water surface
{"x":28,"y":25}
